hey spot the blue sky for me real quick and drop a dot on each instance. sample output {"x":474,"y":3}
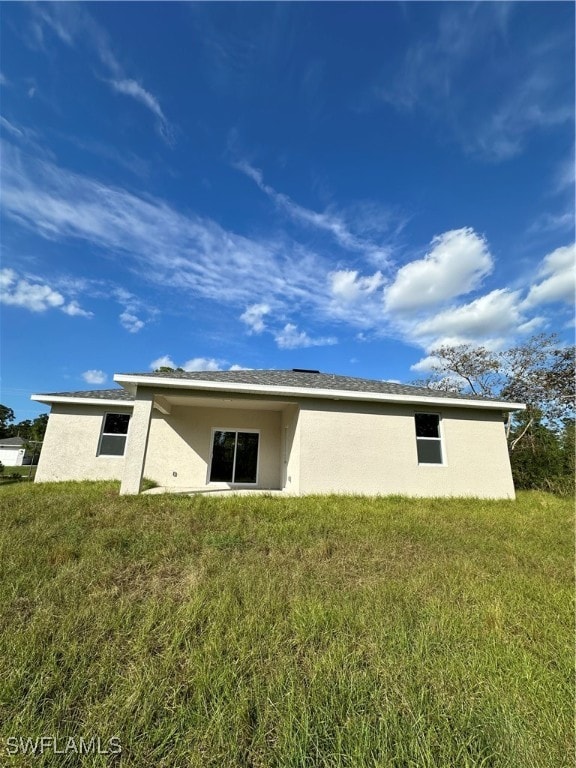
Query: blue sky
{"x":316,"y":185}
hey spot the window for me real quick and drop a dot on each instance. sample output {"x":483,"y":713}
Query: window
{"x":234,"y":457}
{"x":114,"y":431}
{"x":428,"y":438}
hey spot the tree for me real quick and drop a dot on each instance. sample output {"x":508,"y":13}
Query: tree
{"x":23,"y":429}
{"x":33,"y":433}
{"x":6,"y":419}
{"x":30,"y":430}
{"x":539,"y":373}
{"x":464,"y":367}
{"x":538,"y":457}
{"x":39,"y":428}
{"x":568,"y":444}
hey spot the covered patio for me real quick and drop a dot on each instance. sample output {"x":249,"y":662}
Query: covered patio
{"x":192,"y":442}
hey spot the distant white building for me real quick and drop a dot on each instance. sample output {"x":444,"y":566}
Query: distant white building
{"x":13,"y":452}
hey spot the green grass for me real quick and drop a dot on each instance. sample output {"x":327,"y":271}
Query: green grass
{"x":27,"y":472}
{"x":273,"y":633}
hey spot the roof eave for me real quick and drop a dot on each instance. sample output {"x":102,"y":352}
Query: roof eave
{"x":49,"y":399}
{"x":130,"y":382}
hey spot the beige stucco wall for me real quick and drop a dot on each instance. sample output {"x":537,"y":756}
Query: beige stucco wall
{"x":290,"y":453}
{"x":181,"y":443}
{"x":371,"y":449}
{"x":71,"y":444}
{"x":312,"y":446}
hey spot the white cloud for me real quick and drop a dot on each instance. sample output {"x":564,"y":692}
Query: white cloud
{"x":527,"y":108}
{"x":3,"y":79}
{"x":131,"y":322}
{"x":435,"y":60}
{"x":122,"y":295}
{"x":553,"y":222}
{"x":197,"y":364}
{"x":7,"y":278}
{"x":566,"y":174}
{"x":558,"y":278}
{"x":498,"y":313}
{"x":34,"y":296}
{"x":130,"y":317}
{"x":440,"y":75}
{"x":199,"y":258}
{"x":355,"y":299}
{"x":27,"y":137}
{"x":75,"y":310}
{"x":288,"y":337}
{"x":532,"y":325}
{"x":94,"y":377}
{"x":185,"y":252}
{"x":203,"y":364}
{"x":456,"y":264}
{"x":163,"y":362}
{"x":330,"y":222}
{"x":14,"y":130}
{"x":425,"y":365}
{"x":254,"y":317}
{"x":348,"y":287}
{"x":54,"y":20}
{"x":75,"y":26}
{"x":136,"y":91}
{"x":291,"y":338}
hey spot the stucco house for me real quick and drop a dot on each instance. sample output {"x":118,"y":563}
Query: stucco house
{"x":295,"y":431}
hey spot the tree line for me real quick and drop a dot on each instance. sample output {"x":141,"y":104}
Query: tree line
{"x":30,"y":430}
{"x":539,"y":373}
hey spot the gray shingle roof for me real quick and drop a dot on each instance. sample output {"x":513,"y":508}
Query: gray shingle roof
{"x":95,"y":394}
{"x":307,"y":380}
{"x":16,"y":442}
{"x":275,"y":378}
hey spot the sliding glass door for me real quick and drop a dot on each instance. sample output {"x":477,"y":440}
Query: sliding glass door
{"x":234,"y":457}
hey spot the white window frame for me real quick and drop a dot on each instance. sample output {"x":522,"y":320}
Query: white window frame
{"x":235,"y":430}
{"x":112,"y":434}
{"x":439,"y":439}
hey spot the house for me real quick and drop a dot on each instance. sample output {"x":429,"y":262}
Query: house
{"x":297,"y":431}
{"x":13,"y":452}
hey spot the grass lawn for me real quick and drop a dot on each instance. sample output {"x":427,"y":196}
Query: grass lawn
{"x":273,"y":633}
{"x":26,"y":471}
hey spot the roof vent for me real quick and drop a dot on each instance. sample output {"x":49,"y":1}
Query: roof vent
{"x":304,"y":370}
